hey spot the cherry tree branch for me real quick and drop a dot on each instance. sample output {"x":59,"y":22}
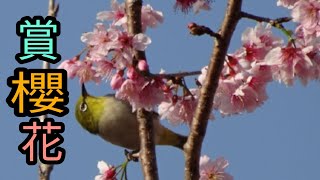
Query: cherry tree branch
{"x":192,"y":148}
{"x":146,"y":129}
{"x":274,"y":22}
{"x":46,"y":169}
{"x":176,"y":75}
{"x":199,"y":30}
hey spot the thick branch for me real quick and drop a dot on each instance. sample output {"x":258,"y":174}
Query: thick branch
{"x":147,"y":146}
{"x":146,"y":130}
{"x":46,"y":169}
{"x":193,"y":146}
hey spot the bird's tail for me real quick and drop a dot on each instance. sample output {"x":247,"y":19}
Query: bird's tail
{"x":168,"y":137}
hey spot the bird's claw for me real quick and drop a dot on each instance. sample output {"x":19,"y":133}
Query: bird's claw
{"x":132,"y":155}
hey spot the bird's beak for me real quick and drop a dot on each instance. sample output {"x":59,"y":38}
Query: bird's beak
{"x":84,"y":91}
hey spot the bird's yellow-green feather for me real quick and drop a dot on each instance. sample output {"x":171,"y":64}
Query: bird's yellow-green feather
{"x":89,"y":119}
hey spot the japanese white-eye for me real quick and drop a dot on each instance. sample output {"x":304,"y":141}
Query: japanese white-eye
{"x":113,"y":120}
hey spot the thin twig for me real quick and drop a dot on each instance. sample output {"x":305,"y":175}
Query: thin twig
{"x":146,"y":129}
{"x":176,"y":75}
{"x":273,"y":22}
{"x":277,"y":23}
{"x":192,"y":149}
{"x":46,"y":169}
{"x":200,"y":30}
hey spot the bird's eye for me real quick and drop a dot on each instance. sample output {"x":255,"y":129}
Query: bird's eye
{"x":83,"y":107}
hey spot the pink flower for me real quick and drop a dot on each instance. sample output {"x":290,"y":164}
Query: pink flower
{"x":132,"y":73}
{"x":257,"y":42}
{"x":315,"y":74}
{"x":223,"y":98}
{"x":203,"y":75}
{"x":141,"y":93}
{"x":201,"y":5}
{"x":107,"y":172}
{"x":104,"y":69}
{"x":86,"y":72}
{"x":71,"y":66}
{"x":122,"y":58}
{"x":210,"y":169}
{"x":184,"y":5}
{"x":249,"y":95}
{"x":99,"y":35}
{"x":288,"y":62}
{"x":150,"y":17}
{"x":242,"y":86}
{"x":101,"y":40}
{"x":117,"y":80}
{"x":117,"y":15}
{"x":241,"y":93}
{"x":286,"y":3}
{"x":140,"y":41}
{"x":179,"y":110}
{"x":307,"y":13}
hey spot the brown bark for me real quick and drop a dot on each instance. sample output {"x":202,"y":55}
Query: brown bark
{"x":192,"y":148}
{"x":46,"y":169}
{"x":146,"y":129}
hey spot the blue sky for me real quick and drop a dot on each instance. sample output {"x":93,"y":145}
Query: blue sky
{"x":279,"y":141}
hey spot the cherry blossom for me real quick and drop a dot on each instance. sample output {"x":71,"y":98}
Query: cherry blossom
{"x":307,"y":13}
{"x":141,"y":92}
{"x":150,"y":18}
{"x":286,"y":3}
{"x":140,"y":41}
{"x":107,"y":172}
{"x":104,"y":69}
{"x":184,"y":5}
{"x":257,"y":42}
{"x":201,"y":5}
{"x":213,"y":169}
{"x":101,"y":40}
{"x":289,"y":62}
{"x":86,"y":72}
{"x":242,"y":86}
{"x":71,"y":66}
{"x":203,"y":75}
{"x":122,"y":58}
{"x":261,"y":58}
{"x":179,"y":110}
{"x":117,"y":14}
{"x":117,"y":80}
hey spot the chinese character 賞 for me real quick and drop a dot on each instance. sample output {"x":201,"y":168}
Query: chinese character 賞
{"x":38,"y":39}
{"x":37,"y":92}
{"x":47,"y":135}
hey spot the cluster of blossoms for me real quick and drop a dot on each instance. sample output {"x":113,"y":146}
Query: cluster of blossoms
{"x":264,"y":58}
{"x":208,"y":169}
{"x":261,"y":59}
{"x":110,"y":56}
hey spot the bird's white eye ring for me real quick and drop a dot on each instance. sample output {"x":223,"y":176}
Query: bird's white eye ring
{"x":83,"y":107}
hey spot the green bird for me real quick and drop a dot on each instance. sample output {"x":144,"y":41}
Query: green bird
{"x":113,"y":120}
